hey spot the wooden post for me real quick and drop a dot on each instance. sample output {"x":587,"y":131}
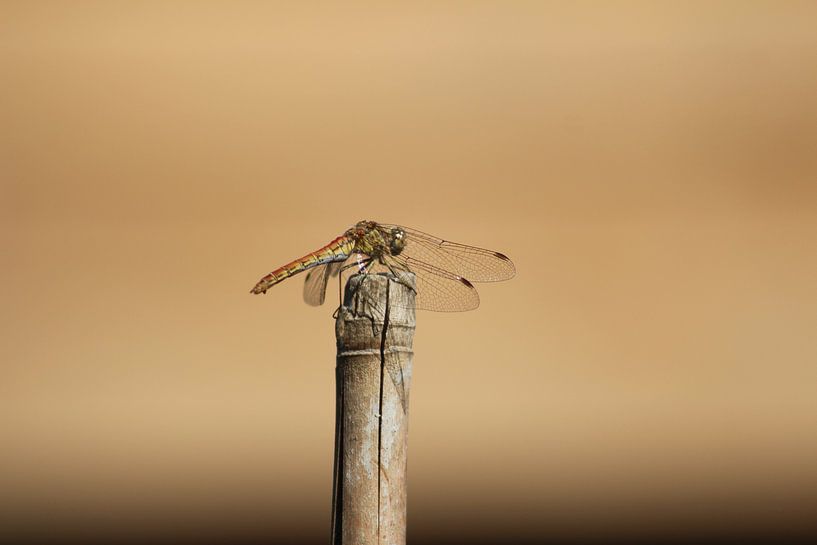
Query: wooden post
{"x":375,"y":331}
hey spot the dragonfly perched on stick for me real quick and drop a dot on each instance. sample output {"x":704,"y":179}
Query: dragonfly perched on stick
{"x":444,"y":271}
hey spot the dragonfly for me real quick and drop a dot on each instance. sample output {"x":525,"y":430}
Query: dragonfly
{"x":444,"y":271}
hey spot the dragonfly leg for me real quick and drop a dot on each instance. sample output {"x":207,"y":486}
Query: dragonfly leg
{"x":363,"y":264}
{"x":340,"y":295}
{"x":398,"y":278}
{"x":360,"y":263}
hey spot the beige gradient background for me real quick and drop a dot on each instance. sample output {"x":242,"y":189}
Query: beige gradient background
{"x":650,"y":169}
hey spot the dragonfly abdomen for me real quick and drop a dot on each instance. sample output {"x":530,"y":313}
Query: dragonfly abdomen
{"x":337,"y":250}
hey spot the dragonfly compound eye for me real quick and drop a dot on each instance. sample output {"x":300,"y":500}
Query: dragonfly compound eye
{"x":398,"y":241}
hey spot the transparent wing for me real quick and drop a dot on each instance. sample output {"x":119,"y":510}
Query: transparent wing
{"x":316,"y":280}
{"x":475,"y":264}
{"x":438,"y":289}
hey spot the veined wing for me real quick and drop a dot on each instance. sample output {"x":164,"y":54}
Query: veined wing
{"x":316,"y":280}
{"x":438,"y":289}
{"x":475,"y":264}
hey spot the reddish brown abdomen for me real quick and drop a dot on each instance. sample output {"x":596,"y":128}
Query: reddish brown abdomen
{"x":337,"y":250}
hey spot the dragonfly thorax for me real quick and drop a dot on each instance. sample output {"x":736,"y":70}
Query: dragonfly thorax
{"x":375,"y":240}
{"x":368,"y":239}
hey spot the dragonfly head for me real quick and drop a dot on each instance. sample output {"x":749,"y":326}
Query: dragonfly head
{"x":398,"y":241}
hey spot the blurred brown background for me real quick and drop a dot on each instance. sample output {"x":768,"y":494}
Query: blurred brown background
{"x":651,"y":170}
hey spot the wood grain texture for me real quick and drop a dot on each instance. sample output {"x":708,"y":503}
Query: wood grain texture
{"x":375,"y":331}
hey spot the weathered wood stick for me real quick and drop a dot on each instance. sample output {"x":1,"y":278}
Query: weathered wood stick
{"x":375,"y":331}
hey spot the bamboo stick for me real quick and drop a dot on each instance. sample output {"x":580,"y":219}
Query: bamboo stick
{"x":375,"y":331}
